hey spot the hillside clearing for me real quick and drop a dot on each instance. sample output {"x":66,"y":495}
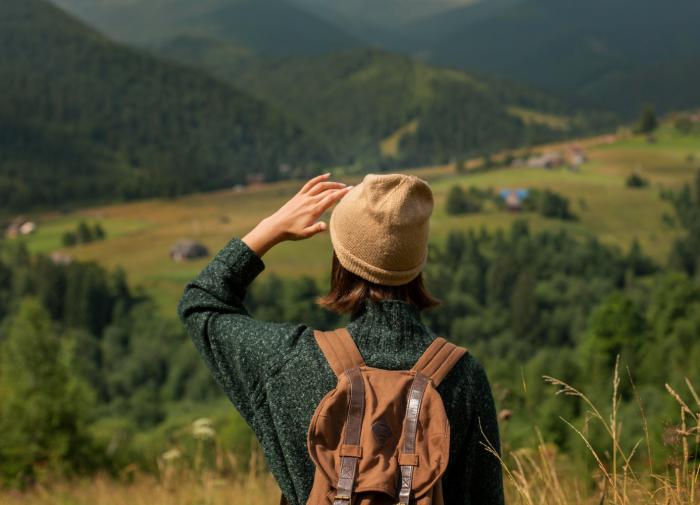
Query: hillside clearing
{"x":140,"y":234}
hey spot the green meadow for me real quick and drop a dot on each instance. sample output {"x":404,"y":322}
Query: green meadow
{"x":140,"y":234}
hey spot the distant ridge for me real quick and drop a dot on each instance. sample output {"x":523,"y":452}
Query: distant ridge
{"x":273,"y":27}
{"x":355,"y":100}
{"x":600,"y":50}
{"x":615,"y":54}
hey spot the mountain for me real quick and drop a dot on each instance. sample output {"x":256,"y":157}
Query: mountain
{"x":373,"y":106}
{"x":614,"y":54}
{"x":595,"y":51}
{"x":382,"y":22}
{"x":383,"y":13}
{"x":275,"y":27}
{"x":598,"y":49}
{"x":668,"y":85}
{"x":83,"y":118}
{"x":424,"y":33}
{"x":404,"y":25}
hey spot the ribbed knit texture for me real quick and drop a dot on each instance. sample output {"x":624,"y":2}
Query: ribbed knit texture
{"x":380,"y":228}
{"x":275,"y":375}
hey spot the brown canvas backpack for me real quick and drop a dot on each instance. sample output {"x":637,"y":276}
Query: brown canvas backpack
{"x":381,"y":436}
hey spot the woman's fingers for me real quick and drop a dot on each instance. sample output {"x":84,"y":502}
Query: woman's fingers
{"x":325,"y":186}
{"x":312,"y":182}
{"x":332,"y":197}
{"x":315,"y":228}
{"x":318,"y":195}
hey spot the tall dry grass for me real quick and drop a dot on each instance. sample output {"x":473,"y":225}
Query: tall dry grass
{"x":150,"y":490}
{"x":541,"y":475}
{"x":197,"y":471}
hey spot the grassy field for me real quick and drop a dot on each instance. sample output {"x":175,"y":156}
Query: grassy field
{"x":541,"y":474}
{"x":140,"y":234}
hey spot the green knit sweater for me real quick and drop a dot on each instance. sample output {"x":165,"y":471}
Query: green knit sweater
{"x":275,"y":375}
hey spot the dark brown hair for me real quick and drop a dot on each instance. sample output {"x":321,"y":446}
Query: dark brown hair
{"x":349,"y":292}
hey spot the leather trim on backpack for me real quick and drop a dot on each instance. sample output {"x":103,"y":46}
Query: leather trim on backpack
{"x":415,"y":396}
{"x":351,"y":437}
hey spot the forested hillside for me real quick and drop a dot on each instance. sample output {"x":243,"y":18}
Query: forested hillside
{"x":599,"y":50}
{"x":82,"y":118}
{"x":357,"y":99}
{"x":275,"y":27}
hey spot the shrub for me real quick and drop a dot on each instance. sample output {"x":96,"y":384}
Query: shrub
{"x":83,"y":234}
{"x":549,"y":204}
{"x":636,"y":181}
{"x":460,"y":202}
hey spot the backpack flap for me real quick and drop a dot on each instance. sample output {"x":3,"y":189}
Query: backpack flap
{"x":380,"y":452}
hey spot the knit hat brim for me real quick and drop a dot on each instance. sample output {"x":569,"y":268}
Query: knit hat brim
{"x":370,"y":272}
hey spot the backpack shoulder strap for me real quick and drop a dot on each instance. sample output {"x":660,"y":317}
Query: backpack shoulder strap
{"x":339,"y":349}
{"x":438,"y":359}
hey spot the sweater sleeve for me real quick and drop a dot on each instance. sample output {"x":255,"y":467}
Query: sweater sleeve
{"x":485,"y":475}
{"x":240,"y":351}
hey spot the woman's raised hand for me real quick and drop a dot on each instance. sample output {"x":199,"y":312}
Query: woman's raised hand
{"x":297,"y":219}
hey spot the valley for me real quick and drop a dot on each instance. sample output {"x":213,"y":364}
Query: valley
{"x":140,"y":234}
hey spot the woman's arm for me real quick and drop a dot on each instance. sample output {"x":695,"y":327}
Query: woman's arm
{"x":238,"y":349}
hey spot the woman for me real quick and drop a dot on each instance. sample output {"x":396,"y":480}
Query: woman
{"x":275,"y":374}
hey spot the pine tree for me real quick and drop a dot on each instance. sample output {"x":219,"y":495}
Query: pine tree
{"x":455,"y":200}
{"x":647,"y":120}
{"x":44,"y":402}
{"x":523,"y":306}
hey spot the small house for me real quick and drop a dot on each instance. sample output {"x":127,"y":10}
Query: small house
{"x":577,"y":157}
{"x":513,"y":198}
{"x":27,"y":228}
{"x":20,"y":226}
{"x":12,"y":230}
{"x":547,"y":160}
{"x":61,"y":258}
{"x":185,"y":250}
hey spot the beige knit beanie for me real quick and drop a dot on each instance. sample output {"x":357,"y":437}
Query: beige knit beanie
{"x":379,"y":229}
